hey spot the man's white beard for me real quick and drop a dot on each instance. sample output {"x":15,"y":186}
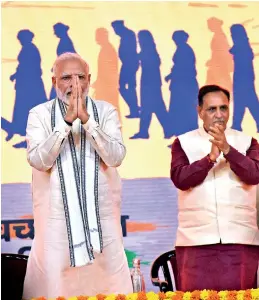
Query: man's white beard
{"x":63,"y":96}
{"x":66,"y":98}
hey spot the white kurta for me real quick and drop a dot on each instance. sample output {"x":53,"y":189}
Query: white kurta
{"x":48,"y":272}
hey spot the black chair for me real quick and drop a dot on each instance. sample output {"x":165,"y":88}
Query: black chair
{"x":13,"y":271}
{"x":163,"y":262}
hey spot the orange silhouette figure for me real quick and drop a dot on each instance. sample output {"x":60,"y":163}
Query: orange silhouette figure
{"x":107,"y":81}
{"x":220,"y":66}
{"x":141,"y":227}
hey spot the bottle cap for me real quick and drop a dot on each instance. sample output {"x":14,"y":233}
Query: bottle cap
{"x":136,"y":262}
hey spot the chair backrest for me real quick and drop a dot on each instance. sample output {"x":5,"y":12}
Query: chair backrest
{"x":13,"y":269}
{"x":163,"y":262}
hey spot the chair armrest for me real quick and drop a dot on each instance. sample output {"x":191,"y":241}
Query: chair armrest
{"x":162,"y":284}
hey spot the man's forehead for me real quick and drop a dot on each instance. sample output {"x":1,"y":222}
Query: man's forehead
{"x":72,"y":66}
{"x":72,"y":73}
{"x":215,"y":99}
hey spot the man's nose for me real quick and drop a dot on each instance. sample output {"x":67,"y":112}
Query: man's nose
{"x":218,"y":113}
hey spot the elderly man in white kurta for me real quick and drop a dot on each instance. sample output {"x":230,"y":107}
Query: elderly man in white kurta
{"x":74,"y":147}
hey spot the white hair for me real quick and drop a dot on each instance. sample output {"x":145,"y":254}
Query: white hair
{"x":68,"y":56}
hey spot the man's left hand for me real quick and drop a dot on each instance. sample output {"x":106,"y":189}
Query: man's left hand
{"x":82,"y":109}
{"x":219,"y":140}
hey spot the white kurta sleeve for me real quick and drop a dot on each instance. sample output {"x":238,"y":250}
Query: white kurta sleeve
{"x":107,"y":141}
{"x":43,"y":148}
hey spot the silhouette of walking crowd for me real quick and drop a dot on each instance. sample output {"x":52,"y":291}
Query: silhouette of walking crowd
{"x":181,"y":116}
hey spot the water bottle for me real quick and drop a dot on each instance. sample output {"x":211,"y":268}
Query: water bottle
{"x":137,"y":277}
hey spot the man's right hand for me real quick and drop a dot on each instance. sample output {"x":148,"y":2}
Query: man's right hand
{"x":214,"y":152}
{"x":72,"y":110}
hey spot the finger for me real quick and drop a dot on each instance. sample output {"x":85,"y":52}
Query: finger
{"x":214,"y":129}
{"x":73,"y":99}
{"x":74,"y":89}
{"x":219,"y":135}
{"x":79,"y":90}
{"x":77,"y":81}
{"x":74,"y":81}
{"x":215,"y":135}
{"x":219,"y":127}
{"x":215,"y":142}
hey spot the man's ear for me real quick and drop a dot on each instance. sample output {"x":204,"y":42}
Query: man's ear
{"x":199,"y":110}
{"x":54,"y":81}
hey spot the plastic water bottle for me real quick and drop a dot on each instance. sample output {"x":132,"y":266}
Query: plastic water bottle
{"x":137,"y":277}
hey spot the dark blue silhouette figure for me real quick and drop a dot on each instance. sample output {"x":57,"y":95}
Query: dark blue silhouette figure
{"x":130,"y":64}
{"x":150,"y":87}
{"x":65,"y":45}
{"x":244,"y":94}
{"x":28,"y":85}
{"x":183,"y":86}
